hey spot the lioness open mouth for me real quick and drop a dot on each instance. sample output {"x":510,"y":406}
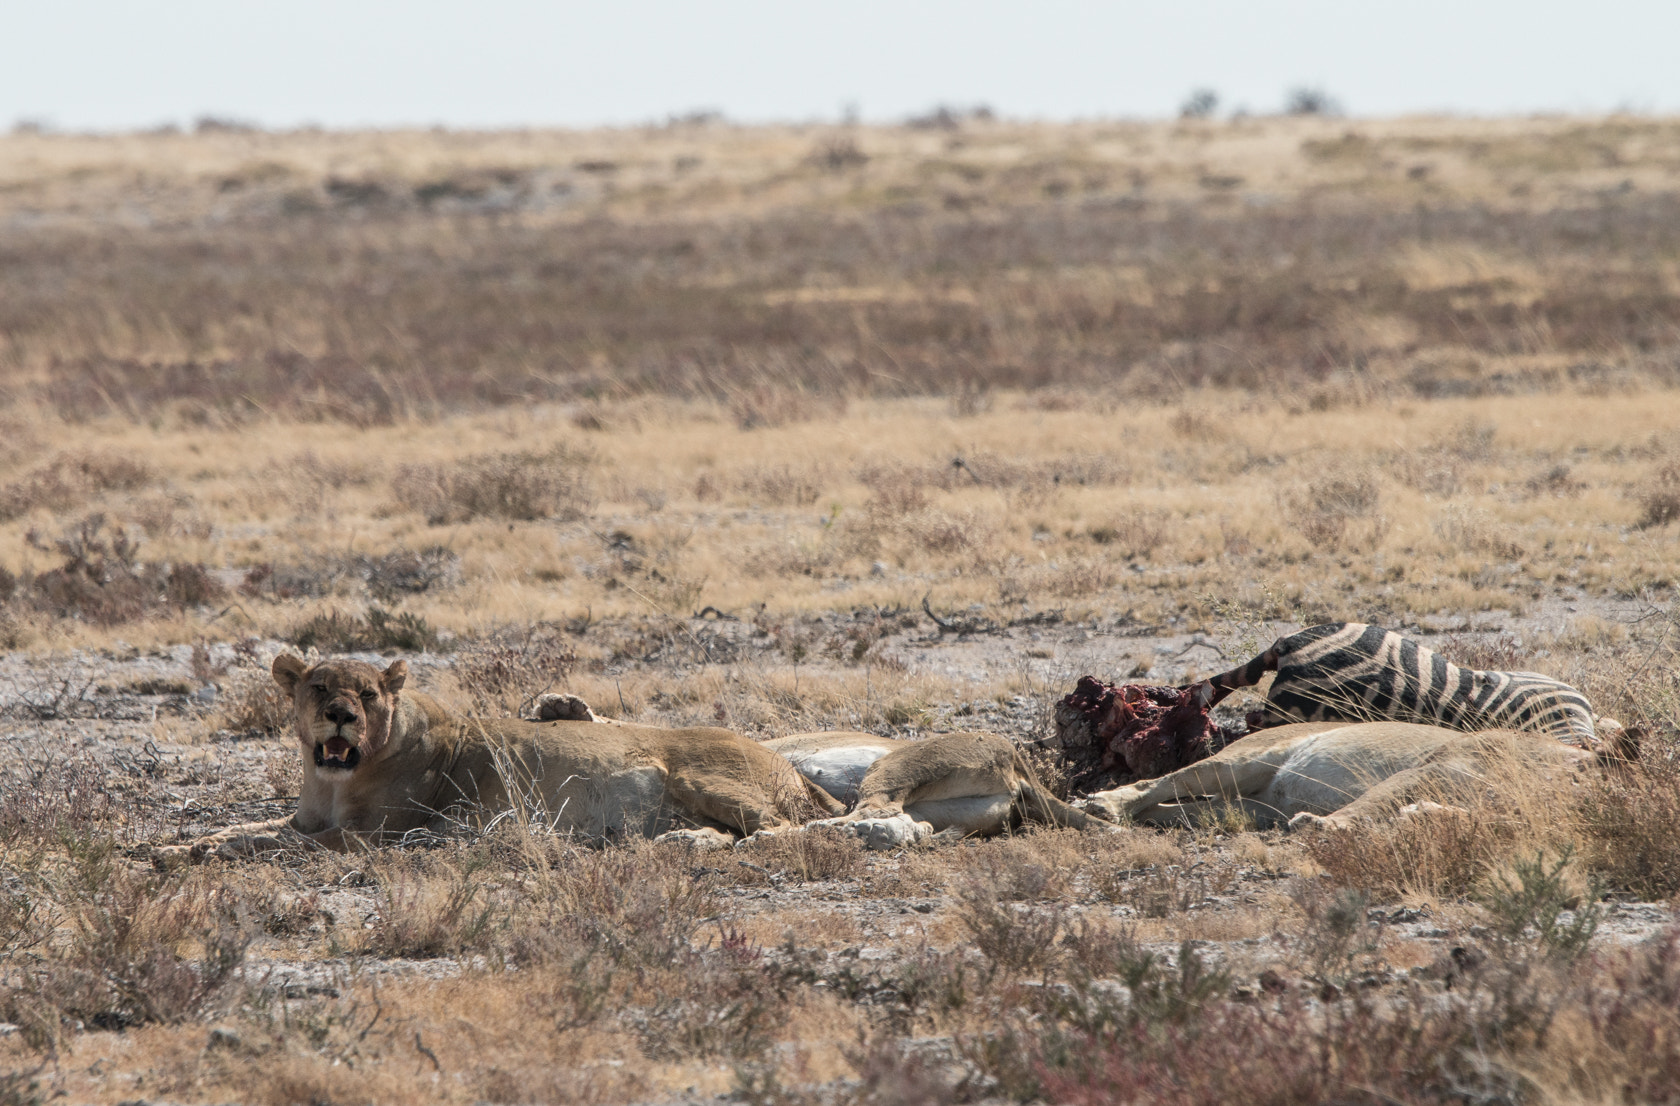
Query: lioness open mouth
{"x":335,"y":752}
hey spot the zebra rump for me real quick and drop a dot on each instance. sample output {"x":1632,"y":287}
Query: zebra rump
{"x":1351,"y":672}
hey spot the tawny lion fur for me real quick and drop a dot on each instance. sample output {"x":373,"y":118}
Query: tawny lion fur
{"x":380,"y":761}
{"x":941,"y":788}
{"x":1336,"y":774}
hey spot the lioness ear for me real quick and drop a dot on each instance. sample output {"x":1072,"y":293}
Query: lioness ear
{"x":394,"y":677}
{"x":288,"y":670}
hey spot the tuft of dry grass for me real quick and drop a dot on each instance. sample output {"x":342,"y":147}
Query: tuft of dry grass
{"x":517,"y":486}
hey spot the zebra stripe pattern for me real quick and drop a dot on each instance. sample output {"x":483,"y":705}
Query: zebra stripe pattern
{"x":1348,"y":671}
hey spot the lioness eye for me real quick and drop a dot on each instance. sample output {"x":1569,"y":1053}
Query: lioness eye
{"x":369,"y":694}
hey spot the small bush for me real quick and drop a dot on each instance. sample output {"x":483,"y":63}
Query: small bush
{"x":1308,"y":100}
{"x":428,"y":910}
{"x":1630,"y":822}
{"x":812,"y":854}
{"x":69,"y":480}
{"x":61,"y":799}
{"x":838,"y":154}
{"x":504,"y":674}
{"x":1533,"y":896}
{"x":1659,"y":496}
{"x":727,"y":1005}
{"x":141,"y":948}
{"x":377,"y":631}
{"x":1014,"y":940}
{"x":523,"y":487}
{"x":409,"y":572}
{"x":102,"y":579}
{"x":251,"y":702}
{"x":782,"y":485}
{"x":1136,"y":533}
{"x":1337,"y":511}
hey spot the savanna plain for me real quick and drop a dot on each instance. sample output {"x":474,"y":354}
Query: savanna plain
{"x":901,"y":429}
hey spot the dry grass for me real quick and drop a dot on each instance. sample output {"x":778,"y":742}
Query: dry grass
{"x":690,"y":421}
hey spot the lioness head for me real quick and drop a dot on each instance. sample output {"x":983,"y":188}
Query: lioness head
{"x":342,"y":709}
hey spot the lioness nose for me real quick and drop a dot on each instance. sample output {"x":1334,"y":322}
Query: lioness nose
{"x":339,"y":714}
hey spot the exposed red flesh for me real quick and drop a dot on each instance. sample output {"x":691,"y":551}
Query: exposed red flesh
{"x":1112,"y":734}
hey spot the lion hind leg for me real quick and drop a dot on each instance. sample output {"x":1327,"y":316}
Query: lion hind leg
{"x":1385,"y":799}
{"x":740,"y":805}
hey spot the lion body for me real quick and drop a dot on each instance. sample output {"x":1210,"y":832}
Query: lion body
{"x":943,"y":788}
{"x":1332,"y":772}
{"x":379,"y":763}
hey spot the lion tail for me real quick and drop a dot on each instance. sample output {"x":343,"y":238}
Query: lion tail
{"x":827,"y":805}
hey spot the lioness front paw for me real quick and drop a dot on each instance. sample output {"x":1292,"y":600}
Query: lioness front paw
{"x":703,"y":840}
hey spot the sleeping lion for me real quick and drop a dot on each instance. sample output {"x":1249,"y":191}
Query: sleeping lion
{"x":1336,"y":774}
{"x":380,"y":762}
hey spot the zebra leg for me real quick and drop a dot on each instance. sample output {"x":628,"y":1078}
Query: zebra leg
{"x":1215,"y":688}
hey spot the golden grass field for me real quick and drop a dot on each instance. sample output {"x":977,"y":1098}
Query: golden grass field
{"x":692,"y":420}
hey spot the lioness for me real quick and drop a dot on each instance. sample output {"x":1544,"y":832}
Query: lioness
{"x":938,"y":789}
{"x":379,"y":762}
{"x":1333,"y":773}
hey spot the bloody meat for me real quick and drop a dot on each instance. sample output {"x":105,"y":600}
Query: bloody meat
{"x":1113,"y":734}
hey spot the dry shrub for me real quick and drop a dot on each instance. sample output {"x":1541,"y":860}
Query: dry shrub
{"x":614,"y":932}
{"x":1135,"y":533}
{"x":409,"y":572}
{"x":895,"y":490}
{"x":935,"y":531}
{"x":812,"y":854}
{"x":782,"y":485}
{"x":1501,"y":652}
{"x":767,"y":406}
{"x":1659,"y":495}
{"x":173,"y":515}
{"x":518,"y":486}
{"x":251,"y":702}
{"x":1337,"y":511}
{"x":103,"y":580}
{"x":1014,"y":939}
{"x":140,"y":947}
{"x":378,"y":631}
{"x":1472,"y":530}
{"x":635,"y":904}
{"x":1515,"y":1023}
{"x":70,"y":479}
{"x":1157,"y":891}
{"x":428,"y":908}
{"x":1444,"y":853}
{"x":58,"y":800}
{"x":725,"y":1002}
{"x":1630,"y":826}
{"x":984,"y":469}
{"x":1429,"y":471}
{"x":1557,"y":481}
{"x":1027,"y":867}
{"x":510,"y":669}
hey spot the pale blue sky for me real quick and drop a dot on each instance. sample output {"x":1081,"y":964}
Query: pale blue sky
{"x":110,"y":64}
